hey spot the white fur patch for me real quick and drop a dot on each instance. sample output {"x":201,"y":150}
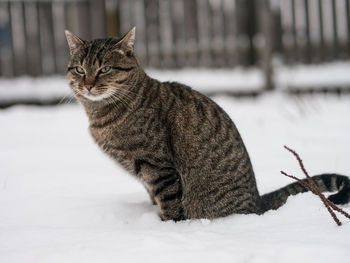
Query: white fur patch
{"x":98,"y":97}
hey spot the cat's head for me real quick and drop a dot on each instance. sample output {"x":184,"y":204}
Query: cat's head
{"x":101,"y":69}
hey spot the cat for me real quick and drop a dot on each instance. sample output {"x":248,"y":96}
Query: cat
{"x":178,"y":143}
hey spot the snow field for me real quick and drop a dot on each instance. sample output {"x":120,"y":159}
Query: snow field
{"x":62,"y":200}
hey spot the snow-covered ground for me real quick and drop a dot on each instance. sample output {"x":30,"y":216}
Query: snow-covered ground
{"x":62,"y":200}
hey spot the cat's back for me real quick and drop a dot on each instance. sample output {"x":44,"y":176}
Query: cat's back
{"x":196,"y":115}
{"x":208,"y":149}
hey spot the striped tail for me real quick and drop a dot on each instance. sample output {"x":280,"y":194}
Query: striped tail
{"x":325,"y":182}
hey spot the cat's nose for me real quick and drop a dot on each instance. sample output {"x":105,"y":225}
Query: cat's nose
{"x":88,"y":87}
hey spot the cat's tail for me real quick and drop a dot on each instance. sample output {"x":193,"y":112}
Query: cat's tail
{"x":325,"y":182}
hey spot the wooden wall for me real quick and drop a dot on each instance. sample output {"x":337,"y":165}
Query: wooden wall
{"x":177,"y":33}
{"x":32,"y":40}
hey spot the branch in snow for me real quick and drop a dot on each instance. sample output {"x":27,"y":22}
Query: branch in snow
{"x":311,"y":185}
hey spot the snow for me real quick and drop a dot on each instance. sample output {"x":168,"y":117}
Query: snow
{"x":330,"y":75}
{"x":214,"y":80}
{"x":238,"y":79}
{"x":62,"y":200}
{"x":27,"y":88}
{"x":205,"y":80}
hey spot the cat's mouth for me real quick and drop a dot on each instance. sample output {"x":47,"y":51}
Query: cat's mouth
{"x":96,"y":97}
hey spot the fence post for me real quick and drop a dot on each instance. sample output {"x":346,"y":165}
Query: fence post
{"x":266,"y":50}
{"x":97,"y":18}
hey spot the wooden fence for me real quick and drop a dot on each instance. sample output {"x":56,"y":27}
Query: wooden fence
{"x":170,"y":33}
{"x":177,"y":33}
{"x":32,"y":40}
{"x":314,"y":31}
{"x":192,"y":33}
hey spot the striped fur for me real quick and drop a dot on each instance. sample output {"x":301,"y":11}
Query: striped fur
{"x":180,"y":144}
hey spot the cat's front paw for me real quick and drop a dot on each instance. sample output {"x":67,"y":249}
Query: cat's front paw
{"x":179,"y":216}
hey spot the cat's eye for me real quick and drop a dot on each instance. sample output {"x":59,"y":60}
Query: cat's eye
{"x":80,"y":70}
{"x":105,"y":69}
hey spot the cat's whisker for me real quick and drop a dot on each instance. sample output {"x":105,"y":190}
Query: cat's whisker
{"x":62,"y":99}
{"x":127,"y":97}
{"x":113,"y":103}
{"x":115,"y":92}
{"x":71,"y":99}
{"x":118,"y":102}
{"x":114,"y":97}
{"x":125,"y":101}
{"x":125,"y":93}
{"x":120,"y":99}
{"x":124,"y":87}
{"x":125,"y":90}
{"x":67,"y":98}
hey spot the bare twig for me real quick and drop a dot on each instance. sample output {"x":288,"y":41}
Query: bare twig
{"x":309,"y":179}
{"x":312,"y":186}
{"x":314,"y":191}
{"x":337,"y":208}
{"x":304,"y":184}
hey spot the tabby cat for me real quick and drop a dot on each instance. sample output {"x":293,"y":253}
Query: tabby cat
{"x":178,"y":143}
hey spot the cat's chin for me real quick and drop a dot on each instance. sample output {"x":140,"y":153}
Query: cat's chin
{"x":96,"y":97}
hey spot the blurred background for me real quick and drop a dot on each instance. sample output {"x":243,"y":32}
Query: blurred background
{"x":249,"y":46}
{"x":279,"y":68}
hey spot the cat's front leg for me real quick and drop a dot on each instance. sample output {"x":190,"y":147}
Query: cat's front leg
{"x":151,"y":196}
{"x":165,"y":187}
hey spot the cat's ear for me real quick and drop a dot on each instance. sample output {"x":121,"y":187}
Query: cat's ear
{"x":74,"y":42}
{"x":126,"y":43}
